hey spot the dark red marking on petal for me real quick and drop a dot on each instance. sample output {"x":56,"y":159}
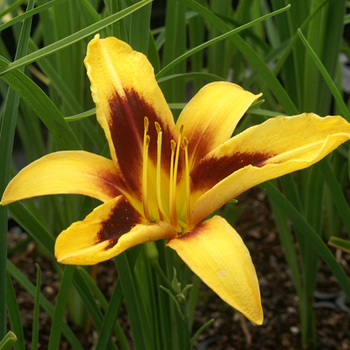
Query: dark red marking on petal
{"x":127,"y":130}
{"x":200,"y":144}
{"x":210,"y":171}
{"x":196,"y":230}
{"x":121,"y":220}
{"x":110,"y":183}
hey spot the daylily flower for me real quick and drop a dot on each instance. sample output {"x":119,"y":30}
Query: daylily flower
{"x":165,"y":178}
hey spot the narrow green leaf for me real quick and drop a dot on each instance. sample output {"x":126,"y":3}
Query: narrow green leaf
{"x":42,"y":106}
{"x":80,"y":116}
{"x":110,"y":321}
{"x":35,"y":329}
{"x":200,"y":330}
{"x":255,"y":60}
{"x":287,"y":242}
{"x":34,"y":228}
{"x":55,"y":334}
{"x":136,"y":312}
{"x":310,"y":235}
{"x":340,"y":243}
{"x":44,"y":303}
{"x":8,"y":341}
{"x":341,"y":104}
{"x":337,"y":194}
{"x":14,"y":314}
{"x":191,"y":76}
{"x":69,"y":40}
{"x":7,"y":133}
{"x":10,"y":8}
{"x":216,"y":40}
{"x":27,"y":14}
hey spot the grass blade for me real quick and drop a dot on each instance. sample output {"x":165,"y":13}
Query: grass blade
{"x":255,"y":60}
{"x":337,"y":96}
{"x":71,"y":39}
{"x":14,"y":314}
{"x":35,"y":331}
{"x":44,"y":303}
{"x":27,"y":14}
{"x":7,"y":133}
{"x":216,"y":40}
{"x":55,"y":334}
{"x":309,"y":234}
{"x":8,"y":341}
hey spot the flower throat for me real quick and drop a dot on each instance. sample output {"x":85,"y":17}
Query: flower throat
{"x":170,"y":216}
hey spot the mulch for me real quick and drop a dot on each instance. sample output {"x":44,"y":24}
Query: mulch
{"x":281,"y":327}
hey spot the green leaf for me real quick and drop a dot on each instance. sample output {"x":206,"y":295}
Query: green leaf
{"x":42,"y":106}
{"x":69,"y":40}
{"x":35,"y":330}
{"x":8,"y":341}
{"x":44,"y":303}
{"x":333,"y":88}
{"x":27,"y":14}
{"x":313,"y":239}
{"x":250,"y":55}
{"x":340,"y":243}
{"x":14,"y":314}
{"x":7,"y":133}
{"x":55,"y":334}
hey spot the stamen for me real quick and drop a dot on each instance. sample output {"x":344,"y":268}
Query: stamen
{"x":187,"y":179}
{"x":162,"y":213}
{"x":172,"y":202}
{"x":146,"y":141}
{"x":173,"y":183}
{"x":145,"y":128}
{"x":177,"y":158}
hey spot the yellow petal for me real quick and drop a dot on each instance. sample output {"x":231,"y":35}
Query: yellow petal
{"x":65,"y":172}
{"x":106,"y":232}
{"x":211,"y":116}
{"x":277,"y":147}
{"x":125,"y":91}
{"x":216,"y":253}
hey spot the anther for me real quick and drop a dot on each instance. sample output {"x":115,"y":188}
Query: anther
{"x":146,"y":125}
{"x":158,"y":128}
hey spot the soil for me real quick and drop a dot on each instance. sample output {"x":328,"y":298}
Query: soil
{"x":281,"y":327}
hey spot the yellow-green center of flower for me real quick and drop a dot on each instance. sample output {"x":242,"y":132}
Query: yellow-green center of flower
{"x":172,"y":214}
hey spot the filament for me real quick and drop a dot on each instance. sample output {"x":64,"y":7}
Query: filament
{"x":172,"y":201}
{"x":187,"y":180}
{"x":162,"y":214}
{"x":173,"y":177}
{"x":146,"y":141}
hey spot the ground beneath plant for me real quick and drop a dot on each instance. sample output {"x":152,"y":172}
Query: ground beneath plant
{"x":281,"y":327}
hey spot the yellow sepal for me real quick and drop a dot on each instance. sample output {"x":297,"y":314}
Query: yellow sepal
{"x":76,"y":172}
{"x":106,"y":232}
{"x":274,"y":148}
{"x":216,"y":253}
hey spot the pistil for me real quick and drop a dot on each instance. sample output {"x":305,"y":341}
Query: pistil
{"x":146,"y":141}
